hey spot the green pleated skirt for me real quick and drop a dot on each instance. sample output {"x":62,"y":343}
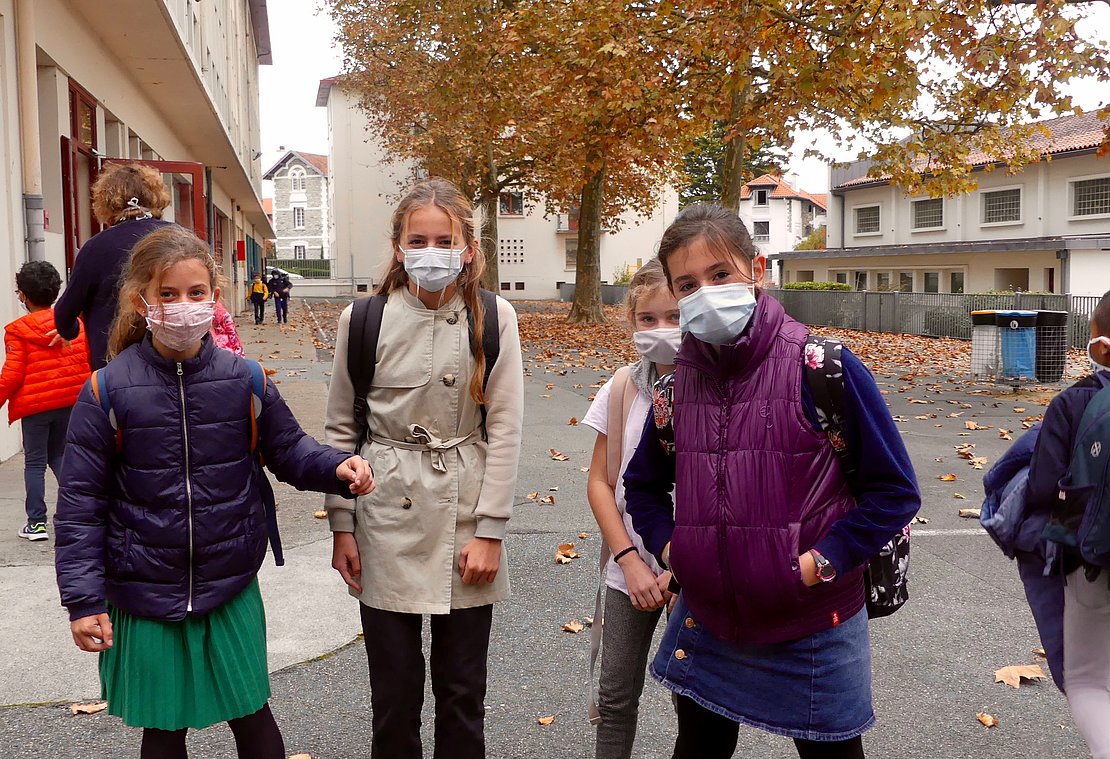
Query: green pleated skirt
{"x":194,"y":673}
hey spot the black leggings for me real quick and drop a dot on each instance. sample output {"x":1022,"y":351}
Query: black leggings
{"x":703,"y":734}
{"x":256,"y":737}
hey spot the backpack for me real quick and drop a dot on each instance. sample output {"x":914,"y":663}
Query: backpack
{"x":99,"y":385}
{"x":362,"y":349}
{"x":885,"y":577}
{"x":1089,"y":473}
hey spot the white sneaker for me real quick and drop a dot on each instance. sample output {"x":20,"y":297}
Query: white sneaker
{"x":32,"y":532}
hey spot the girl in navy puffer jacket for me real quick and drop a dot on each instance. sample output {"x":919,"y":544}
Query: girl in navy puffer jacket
{"x":161,"y":526}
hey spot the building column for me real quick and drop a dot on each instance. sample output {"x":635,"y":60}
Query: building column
{"x":27,"y":76}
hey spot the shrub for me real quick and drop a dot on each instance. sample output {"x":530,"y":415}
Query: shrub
{"x":816,"y":286}
{"x":622,"y":275}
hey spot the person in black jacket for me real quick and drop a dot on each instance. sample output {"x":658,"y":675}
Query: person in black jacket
{"x":128,"y":199}
{"x":162,"y":522}
{"x":280,"y":286}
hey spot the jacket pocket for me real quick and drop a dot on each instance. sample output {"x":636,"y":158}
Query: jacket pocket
{"x":117,"y":558}
{"x":763,"y":567}
{"x":405,"y":365}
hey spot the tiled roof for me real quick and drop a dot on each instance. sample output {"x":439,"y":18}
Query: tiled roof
{"x":318,"y":162}
{"x":782,"y":189}
{"x":268,"y":206}
{"x":1067,"y":134}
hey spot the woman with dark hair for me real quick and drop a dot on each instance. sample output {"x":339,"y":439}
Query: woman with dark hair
{"x":128,"y":199}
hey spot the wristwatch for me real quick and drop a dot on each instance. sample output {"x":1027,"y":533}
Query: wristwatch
{"x":826,"y":572}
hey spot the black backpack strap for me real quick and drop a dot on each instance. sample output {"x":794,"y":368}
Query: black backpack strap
{"x":491,"y":340}
{"x":824,"y":372}
{"x":362,"y":353}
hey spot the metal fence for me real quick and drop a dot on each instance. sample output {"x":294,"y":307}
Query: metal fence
{"x":934,"y":314}
{"x":309,"y":268}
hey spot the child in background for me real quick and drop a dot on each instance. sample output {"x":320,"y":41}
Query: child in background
{"x":161,"y":521}
{"x":40,"y":383}
{"x":636,"y":587}
{"x":1087,"y":587}
{"x":224,"y":333}
{"x":766,"y":533}
{"x":258,"y":295}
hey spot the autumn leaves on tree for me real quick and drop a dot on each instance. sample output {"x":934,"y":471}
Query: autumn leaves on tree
{"x":593,"y":104}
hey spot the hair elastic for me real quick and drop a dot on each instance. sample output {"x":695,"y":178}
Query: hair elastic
{"x":628,"y":550}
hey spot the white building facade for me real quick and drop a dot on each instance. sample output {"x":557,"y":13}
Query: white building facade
{"x":779,"y":216}
{"x":1045,"y":229}
{"x":536,"y":250}
{"x":168,"y":81}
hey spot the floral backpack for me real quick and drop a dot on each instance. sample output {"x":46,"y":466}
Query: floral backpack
{"x":885,"y":577}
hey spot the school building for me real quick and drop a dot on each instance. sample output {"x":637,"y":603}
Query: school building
{"x":173,"y":83}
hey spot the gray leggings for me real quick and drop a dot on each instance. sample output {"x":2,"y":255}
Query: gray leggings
{"x":1087,"y":658}
{"x":625,"y":645}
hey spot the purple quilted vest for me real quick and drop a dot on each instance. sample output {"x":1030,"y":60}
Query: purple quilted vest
{"x":755,"y":486}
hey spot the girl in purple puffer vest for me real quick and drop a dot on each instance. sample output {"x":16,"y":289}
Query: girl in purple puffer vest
{"x":765,"y":535}
{"x":161,"y":522}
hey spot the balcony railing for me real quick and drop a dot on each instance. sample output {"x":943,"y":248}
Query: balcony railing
{"x":309,"y":268}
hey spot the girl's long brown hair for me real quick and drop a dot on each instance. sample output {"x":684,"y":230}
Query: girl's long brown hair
{"x":720,"y":228}
{"x":150,"y":258}
{"x":447,"y":198}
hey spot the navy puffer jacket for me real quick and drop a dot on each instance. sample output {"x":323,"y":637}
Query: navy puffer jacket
{"x":174,"y":522}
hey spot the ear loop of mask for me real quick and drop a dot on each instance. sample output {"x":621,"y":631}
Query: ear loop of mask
{"x":1105,"y":341}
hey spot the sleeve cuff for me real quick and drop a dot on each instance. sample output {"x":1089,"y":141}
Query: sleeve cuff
{"x":341,"y":519}
{"x":87,"y":610}
{"x":492,"y":527}
{"x":836,"y":552}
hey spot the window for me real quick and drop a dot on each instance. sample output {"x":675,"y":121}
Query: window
{"x":571,"y":250}
{"x":519,"y":285}
{"x":762,"y":231}
{"x":1002,"y":206}
{"x":761,"y":197}
{"x":928,"y":214}
{"x":842,"y":277}
{"x":510,"y":252}
{"x":804,"y":275}
{"x":932,"y":281}
{"x":1090,"y":197}
{"x":859,"y":280}
{"x":867,"y":220}
{"x":512,"y":204}
{"x":299,"y":252}
{"x":298,"y":217}
{"x":506,"y":286}
{"x":297,"y":181}
{"x":956,"y":281}
{"x":882,"y":281}
{"x":905,"y":281}
{"x":1016,"y":280}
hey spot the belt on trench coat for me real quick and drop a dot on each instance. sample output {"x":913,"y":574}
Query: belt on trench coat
{"x":426,"y":441}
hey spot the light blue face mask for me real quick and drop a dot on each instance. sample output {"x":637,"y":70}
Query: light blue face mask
{"x":717,"y":314}
{"x":1095,"y":365}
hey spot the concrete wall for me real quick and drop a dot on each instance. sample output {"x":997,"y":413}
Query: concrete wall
{"x":11,"y":194}
{"x":1045,"y":208}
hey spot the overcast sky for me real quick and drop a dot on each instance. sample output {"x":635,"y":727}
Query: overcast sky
{"x":302,"y":39}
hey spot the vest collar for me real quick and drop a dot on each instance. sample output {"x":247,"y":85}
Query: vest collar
{"x":745,"y":352}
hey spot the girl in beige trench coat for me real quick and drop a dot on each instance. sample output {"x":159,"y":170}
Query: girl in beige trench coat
{"x":429,"y":539}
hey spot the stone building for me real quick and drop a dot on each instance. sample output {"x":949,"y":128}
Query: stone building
{"x":300,"y":206}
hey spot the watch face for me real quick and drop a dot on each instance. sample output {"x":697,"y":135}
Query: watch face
{"x":826,"y":572}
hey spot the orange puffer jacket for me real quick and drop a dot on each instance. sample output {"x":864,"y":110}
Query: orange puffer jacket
{"x":36,"y":376}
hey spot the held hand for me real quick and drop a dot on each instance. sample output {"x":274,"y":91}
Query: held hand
{"x":57,"y":339}
{"x":479,"y":561}
{"x":808,"y":568}
{"x":92,"y":633}
{"x":345,"y":559}
{"x":643,"y":587}
{"x":357,"y":471}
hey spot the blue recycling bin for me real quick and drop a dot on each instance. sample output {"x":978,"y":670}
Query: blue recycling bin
{"x":1018,"y":333}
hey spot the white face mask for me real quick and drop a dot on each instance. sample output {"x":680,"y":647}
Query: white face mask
{"x":660,"y":345}
{"x":1095,"y":365}
{"x":433,"y":269}
{"x":180,"y":326}
{"x":717,"y":314}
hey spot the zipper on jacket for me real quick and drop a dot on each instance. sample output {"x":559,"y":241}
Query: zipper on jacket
{"x":722,"y":499}
{"x":188,"y":481}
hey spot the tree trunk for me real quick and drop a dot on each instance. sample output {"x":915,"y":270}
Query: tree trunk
{"x":489,"y":199}
{"x":736,"y":151}
{"x":587,"y":279}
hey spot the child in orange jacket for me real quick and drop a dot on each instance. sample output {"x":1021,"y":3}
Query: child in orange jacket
{"x":40,"y":383}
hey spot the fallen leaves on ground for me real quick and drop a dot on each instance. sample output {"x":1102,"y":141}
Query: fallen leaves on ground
{"x":920,"y":520}
{"x":559,"y":456}
{"x":583,"y":469}
{"x":970,"y":513}
{"x":959,"y":496}
{"x":533,"y":496}
{"x":1014,"y":674}
{"x":573,"y":422}
{"x":270,"y":372}
{"x":94,"y":708}
{"x":565,"y":553}
{"x":545,"y":721}
{"x":976,"y":426}
{"x":988,"y":720}
{"x":574,"y":626}
{"x":320,"y":514}
{"x":1005,"y":434}
{"x":547,"y":500}
{"x":583,"y":535}
{"x":950,"y":477}
{"x":1040,"y":652}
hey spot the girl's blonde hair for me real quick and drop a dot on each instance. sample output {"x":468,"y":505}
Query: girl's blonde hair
{"x":448,"y":198}
{"x":647,"y":279}
{"x":118,"y":183}
{"x":150,"y":258}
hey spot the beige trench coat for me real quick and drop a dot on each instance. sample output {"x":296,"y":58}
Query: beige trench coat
{"x":438,"y":483}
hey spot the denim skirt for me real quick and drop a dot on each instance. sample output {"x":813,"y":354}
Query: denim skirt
{"x":817,"y":688}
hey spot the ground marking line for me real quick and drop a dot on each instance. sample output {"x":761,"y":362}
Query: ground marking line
{"x":915,"y":533}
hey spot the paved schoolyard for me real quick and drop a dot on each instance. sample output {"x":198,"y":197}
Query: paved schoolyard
{"x":934,"y":660}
